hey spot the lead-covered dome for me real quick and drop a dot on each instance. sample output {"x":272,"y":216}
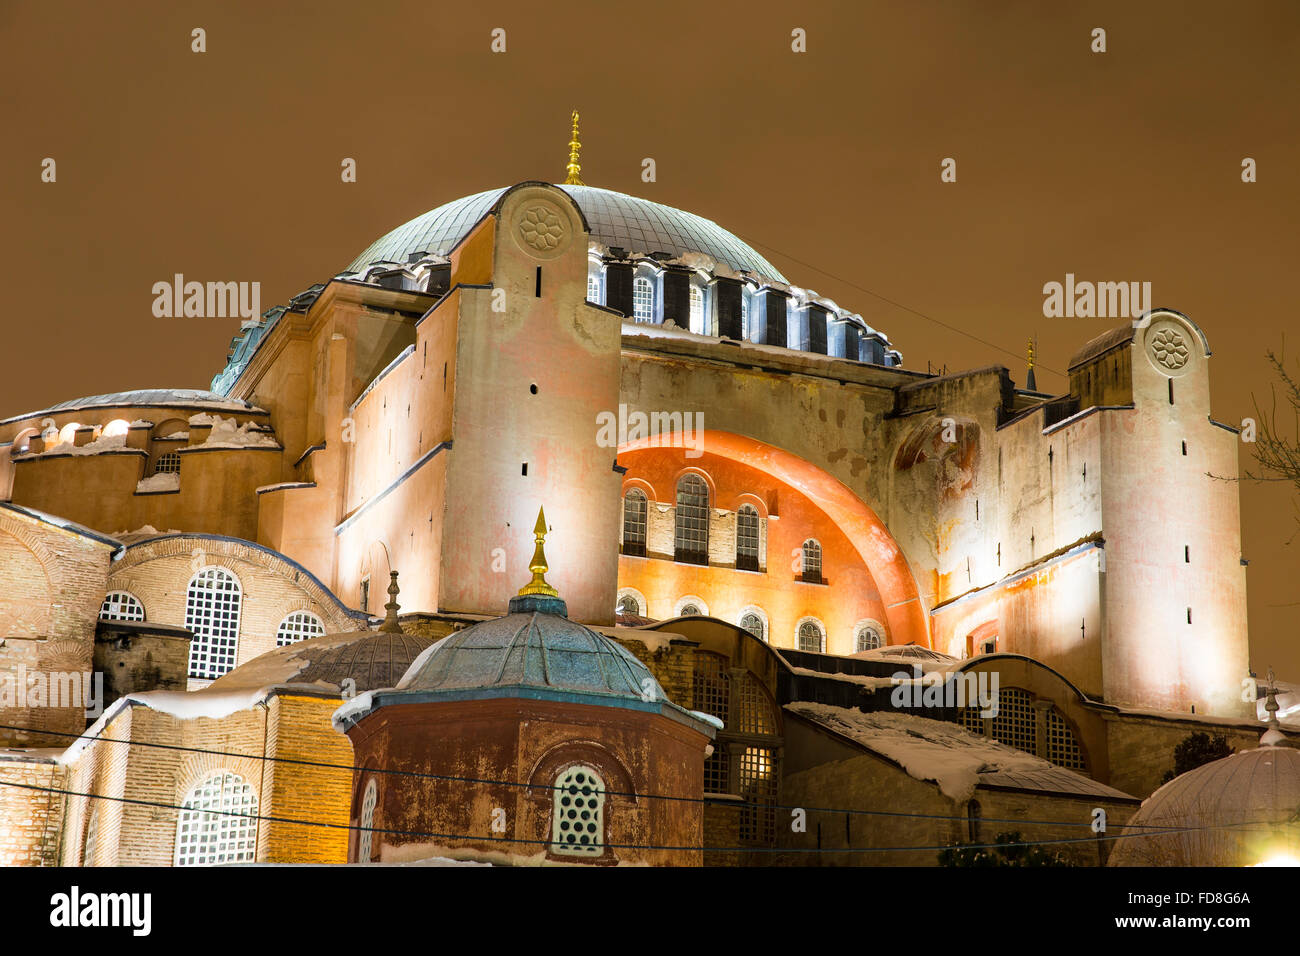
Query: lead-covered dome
{"x":616,"y":219}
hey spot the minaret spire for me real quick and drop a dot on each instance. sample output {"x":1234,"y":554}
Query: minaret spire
{"x":1030,"y":381}
{"x":538,"y":566}
{"x":574,"y":169}
{"x":391,"y":625}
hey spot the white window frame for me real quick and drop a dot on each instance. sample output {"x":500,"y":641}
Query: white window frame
{"x":646,"y":298}
{"x":566,"y":813}
{"x":366,"y":833}
{"x":209,"y":653}
{"x":298,"y":626}
{"x":204,"y":838}
{"x":115,"y":608}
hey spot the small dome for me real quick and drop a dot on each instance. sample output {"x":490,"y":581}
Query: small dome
{"x":533,"y":650}
{"x":1237,"y":811}
{"x":372,"y":659}
{"x":616,"y":219}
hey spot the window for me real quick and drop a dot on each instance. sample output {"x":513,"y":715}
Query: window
{"x":121,"y":606}
{"x":228,"y":835}
{"x":634,"y":522}
{"x":744,"y":316}
{"x":298,"y":626}
{"x":365,"y":837}
{"x":697,"y":310}
{"x":578,"y":814}
{"x":717,"y":771}
{"x":643,"y":300}
{"x":1017,"y":725}
{"x":747,"y":538}
{"x":212,"y":615}
{"x":691,"y":542}
{"x":757,"y":712}
{"x":758,"y":788}
{"x":812,"y":562}
{"x":711,"y":685}
{"x":868,"y":638}
{"x":754,"y":624}
{"x":365,"y":595}
{"x":810,"y":637}
{"x":593,"y":287}
{"x":168,"y":463}
{"x":627,"y":604}
{"x":689,"y":610}
{"x":92,"y":839}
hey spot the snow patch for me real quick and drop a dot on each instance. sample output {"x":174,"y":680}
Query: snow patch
{"x":163,"y":481}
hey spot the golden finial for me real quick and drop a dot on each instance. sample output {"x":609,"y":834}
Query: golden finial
{"x":1031,"y":353}
{"x":1031,"y":381}
{"x":573,"y":169}
{"x":390,"y":625}
{"x":538,"y":566}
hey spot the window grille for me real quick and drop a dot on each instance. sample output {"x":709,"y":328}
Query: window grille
{"x":168,"y":463}
{"x":204,"y":838}
{"x":810,"y":637}
{"x":757,"y":779}
{"x":121,"y":606}
{"x":578,"y":815}
{"x":366,"y":839}
{"x":212,"y":606}
{"x":643,"y":300}
{"x":634,"y":523}
{"x":868,"y":638}
{"x":747,"y":526}
{"x":812,"y":561}
{"x":298,"y":626}
{"x":692,"y":520}
{"x":754,"y":624}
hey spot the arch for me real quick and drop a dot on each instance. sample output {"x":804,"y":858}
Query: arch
{"x":636,"y":515}
{"x":633,"y":595}
{"x":366,"y":833}
{"x":170,"y":426}
{"x":904,"y":612}
{"x":213,"y":603}
{"x":749,"y":538}
{"x":810,"y":635}
{"x":68,"y":433}
{"x":762,"y":629}
{"x":811,"y":570}
{"x":691,"y":519}
{"x":578,"y":812}
{"x":204,"y":838}
{"x":682,"y":607}
{"x":22,"y":443}
{"x":643,"y":486}
{"x":121,"y":606}
{"x":868,"y":635}
{"x":298,"y":626}
{"x":115,"y":428}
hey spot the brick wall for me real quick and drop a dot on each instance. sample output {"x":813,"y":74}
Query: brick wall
{"x":30,"y":821}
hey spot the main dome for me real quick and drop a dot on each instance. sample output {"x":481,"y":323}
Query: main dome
{"x":616,"y":219}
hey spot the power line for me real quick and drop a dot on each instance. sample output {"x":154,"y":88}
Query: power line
{"x":899,"y":305}
{"x":711,"y":801}
{"x":157,"y":804}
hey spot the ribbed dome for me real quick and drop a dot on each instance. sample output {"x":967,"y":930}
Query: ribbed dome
{"x":616,"y":219}
{"x":374,"y":660}
{"x":533,"y":650}
{"x":1237,"y":811}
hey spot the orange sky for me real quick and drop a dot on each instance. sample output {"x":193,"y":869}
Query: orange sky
{"x":1116,"y":166}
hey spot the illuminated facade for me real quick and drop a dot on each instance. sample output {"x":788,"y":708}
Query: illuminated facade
{"x":771,"y":465}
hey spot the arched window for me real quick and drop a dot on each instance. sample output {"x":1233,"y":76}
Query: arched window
{"x":114,"y":429}
{"x":204,"y":837}
{"x":121,"y":606}
{"x":868,"y":638}
{"x":593,"y":287}
{"x":747,"y":538}
{"x":298,"y":626}
{"x":634,"y":522}
{"x":578,"y":813}
{"x":812,"y":562}
{"x":365,"y":837}
{"x":754,"y":624}
{"x":168,"y":463}
{"x":92,"y":839}
{"x":697,"y":310}
{"x":1017,"y":724}
{"x":811,"y":637}
{"x":689,"y":610}
{"x":643,"y":300}
{"x":212,"y":606}
{"x":691,"y":541}
{"x":628,"y":605}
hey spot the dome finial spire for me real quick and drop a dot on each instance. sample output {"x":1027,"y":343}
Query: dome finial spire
{"x":1031,"y":382}
{"x":1273,"y":736}
{"x":391,"y":625}
{"x":538,"y":565}
{"x":574,"y":168}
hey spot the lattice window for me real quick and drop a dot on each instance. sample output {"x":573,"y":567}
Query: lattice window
{"x":811,"y":637}
{"x":218,"y":822}
{"x":212,"y":606}
{"x":627,"y":604}
{"x":1062,"y":746}
{"x":757,"y":779}
{"x":578,"y":813}
{"x":757,"y":714}
{"x":366,"y":835}
{"x":754,"y":624}
{"x":711,"y":685}
{"x":812,"y":561}
{"x":868,"y":638}
{"x":92,"y":839}
{"x":168,"y":463}
{"x":972,"y":721}
{"x":593,"y":288}
{"x":747,"y":526}
{"x":717,"y":771}
{"x":121,"y":606}
{"x":634,"y":522}
{"x":643,"y":300}
{"x":691,"y":539}
{"x":697,"y":310}
{"x":1015,"y":724}
{"x":298,"y":626}
{"x":690,"y":610}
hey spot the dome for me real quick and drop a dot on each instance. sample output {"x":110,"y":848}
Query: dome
{"x":370,"y":658}
{"x":1236,"y":811}
{"x":615,"y":219}
{"x":537,"y":650}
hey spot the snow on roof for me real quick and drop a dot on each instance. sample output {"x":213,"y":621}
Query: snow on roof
{"x":162,"y":397}
{"x":226,"y":433}
{"x":871,"y":683}
{"x":949,"y":755}
{"x":62,"y":523}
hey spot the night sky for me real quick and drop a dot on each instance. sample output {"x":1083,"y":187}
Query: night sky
{"x":225,"y":165}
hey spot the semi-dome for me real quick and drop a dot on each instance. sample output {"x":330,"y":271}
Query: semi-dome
{"x":616,"y":219}
{"x":1237,"y":811}
{"x":370,"y":659}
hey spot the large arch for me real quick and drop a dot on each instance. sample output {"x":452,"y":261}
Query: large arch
{"x":908,"y":620}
